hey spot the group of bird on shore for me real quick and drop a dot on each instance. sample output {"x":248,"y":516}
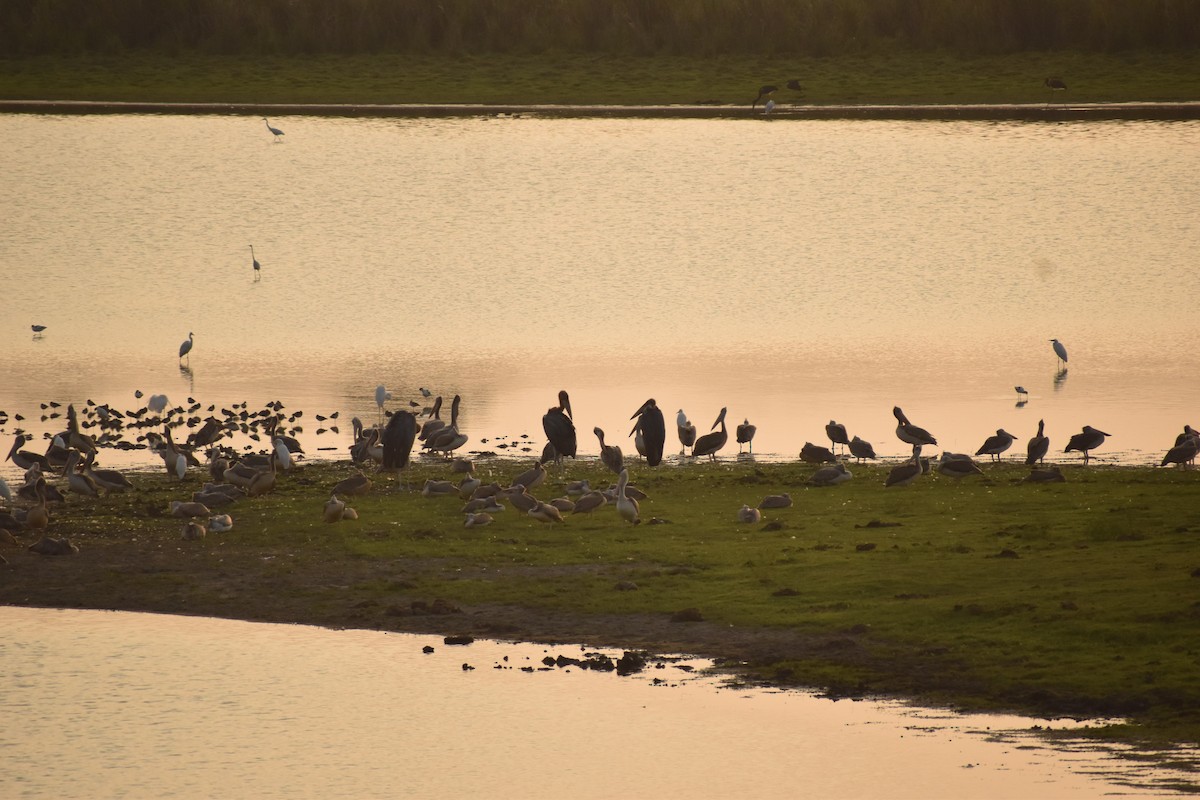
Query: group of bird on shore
{"x":767,"y":91}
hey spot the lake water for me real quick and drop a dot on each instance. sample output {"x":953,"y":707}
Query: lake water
{"x":793,"y":271}
{"x":103,"y":704}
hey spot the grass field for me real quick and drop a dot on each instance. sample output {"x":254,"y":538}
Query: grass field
{"x":582,"y":79}
{"x":1079,"y":598}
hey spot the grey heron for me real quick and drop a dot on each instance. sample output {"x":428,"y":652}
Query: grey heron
{"x":1059,"y":351}
{"x":255,"y":264}
{"x":186,"y":347}
{"x":275,"y":131}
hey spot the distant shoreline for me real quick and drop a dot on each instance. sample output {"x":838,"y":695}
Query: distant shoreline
{"x":1033,"y":112}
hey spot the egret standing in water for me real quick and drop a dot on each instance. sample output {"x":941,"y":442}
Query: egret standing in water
{"x":382,"y":395}
{"x":257,"y":266}
{"x":275,"y":131}
{"x":186,"y":347}
{"x":1060,"y":351}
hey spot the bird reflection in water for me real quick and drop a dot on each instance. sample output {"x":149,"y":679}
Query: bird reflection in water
{"x":1060,"y":378}
{"x":185,"y":372}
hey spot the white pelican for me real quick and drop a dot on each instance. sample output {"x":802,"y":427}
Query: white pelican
{"x":627,"y":507}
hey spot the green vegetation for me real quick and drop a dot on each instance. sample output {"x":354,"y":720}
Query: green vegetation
{"x":602,"y":79}
{"x":1079,"y":598}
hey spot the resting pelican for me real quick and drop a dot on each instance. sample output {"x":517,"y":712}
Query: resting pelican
{"x":955,"y":465}
{"x":1059,"y":351}
{"x":816,"y":454}
{"x":776,"y":501}
{"x":653,"y":430}
{"x":710,"y":443}
{"x":333,"y":509}
{"x":1087,"y":439}
{"x":627,"y":507}
{"x":560,"y":428}
{"x":589,"y":503}
{"x":836,"y":432}
{"x":907,"y":472}
{"x":748,"y":514}
{"x":830,"y":476}
{"x":610,"y":455}
{"x":687,"y":431}
{"x":448,"y":438}
{"x":532,"y":477}
{"x":745,"y":435}
{"x":1051,"y":475}
{"x":544,"y":512}
{"x":993,"y":446}
{"x":1038,"y":446}
{"x":861,"y":449}
{"x":909,"y":433}
{"x":1183,"y":452}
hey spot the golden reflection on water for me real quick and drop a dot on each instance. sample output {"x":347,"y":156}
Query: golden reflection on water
{"x":106,"y":704}
{"x":794,"y":273}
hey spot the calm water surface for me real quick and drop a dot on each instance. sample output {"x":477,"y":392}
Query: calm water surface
{"x":103,"y":704}
{"x":795,"y":272}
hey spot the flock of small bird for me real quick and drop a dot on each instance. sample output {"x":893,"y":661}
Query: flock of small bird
{"x":767,"y":91}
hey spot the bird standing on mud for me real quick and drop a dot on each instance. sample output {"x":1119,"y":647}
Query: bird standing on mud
{"x":653,"y":430}
{"x":560,"y":428}
{"x":710,"y":443}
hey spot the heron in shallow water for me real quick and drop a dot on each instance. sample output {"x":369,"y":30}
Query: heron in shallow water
{"x":275,"y":131}
{"x":256,"y":265}
{"x":186,"y":347}
{"x":1060,"y":351}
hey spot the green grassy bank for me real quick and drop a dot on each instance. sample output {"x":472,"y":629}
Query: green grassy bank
{"x":1079,"y":598}
{"x":603,"y":79}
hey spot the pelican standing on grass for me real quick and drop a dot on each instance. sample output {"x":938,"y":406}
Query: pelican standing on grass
{"x":909,"y":433}
{"x":1038,"y":446}
{"x":560,"y":428}
{"x":710,"y":443}
{"x":836,"y":432}
{"x":653,"y":430}
{"x":907,"y":472}
{"x":610,"y":455}
{"x":993,"y":446}
{"x":627,"y":507}
{"x":861,"y":449}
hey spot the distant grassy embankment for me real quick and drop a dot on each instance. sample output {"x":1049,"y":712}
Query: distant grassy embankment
{"x":598,"y":51}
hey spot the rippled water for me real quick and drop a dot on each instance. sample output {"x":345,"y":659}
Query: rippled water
{"x":103,"y":704}
{"x":794,"y":271}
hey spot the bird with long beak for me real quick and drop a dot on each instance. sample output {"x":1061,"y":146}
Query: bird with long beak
{"x":710,"y":443}
{"x":909,"y":433}
{"x":559,"y":425}
{"x":653,"y":431}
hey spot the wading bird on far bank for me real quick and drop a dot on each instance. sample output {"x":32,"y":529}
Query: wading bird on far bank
{"x":275,"y":131}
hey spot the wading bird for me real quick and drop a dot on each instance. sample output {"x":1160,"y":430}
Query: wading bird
{"x":653,"y":430}
{"x":275,"y":131}
{"x":186,"y":347}
{"x":710,"y":443}
{"x":1055,"y":85}
{"x":1060,"y":351}
{"x":745,"y":435}
{"x":37,"y":329}
{"x":1087,"y":439}
{"x":687,"y":431}
{"x":836,"y":432}
{"x":610,"y":454}
{"x":257,"y":266}
{"x":560,"y":429}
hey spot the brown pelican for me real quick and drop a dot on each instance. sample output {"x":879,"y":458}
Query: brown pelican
{"x":710,"y":443}
{"x":776,"y":501}
{"x":1087,"y":439}
{"x":687,"y":431}
{"x":907,"y":472}
{"x":861,"y":449}
{"x":1059,"y":350}
{"x":610,"y":455}
{"x":1038,"y":446}
{"x":745,"y":435}
{"x":653,"y":430}
{"x":627,"y":507}
{"x":995,"y":445}
{"x":909,"y":433}
{"x":836,"y":432}
{"x":830,"y":476}
{"x":748,"y":514}
{"x":815,"y":454}
{"x":520,"y":499}
{"x":560,"y":429}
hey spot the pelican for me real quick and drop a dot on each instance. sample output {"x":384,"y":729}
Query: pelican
{"x":434,"y":488}
{"x":264,"y":481}
{"x":275,"y":131}
{"x":186,"y":347}
{"x":1055,"y":85}
{"x":257,"y":266}
{"x":687,"y":431}
{"x":776,"y":501}
{"x":1182,"y":453}
{"x":38,"y":517}
{"x":815,"y":454}
{"x":398,"y":438}
{"x":190,"y":509}
{"x":589,"y":503}
{"x":836,"y":432}
{"x":448,"y":438}
{"x":745,"y":435}
{"x":861,"y":449}
{"x":610,"y":455}
{"x":544,"y":512}
{"x":356,"y":485}
{"x":79,"y":441}
{"x":830,"y":476}
{"x":1051,"y":475}
{"x":749,"y":515}
{"x":1059,"y":351}
{"x":909,"y":433}
{"x":627,"y":507}
{"x":80,"y":482}
{"x":1038,"y":446}
{"x":333,"y":509}
{"x":24,"y":458}
{"x":710,"y":443}
{"x":764,"y":91}
{"x":221,"y":523}
{"x":578,"y":488}
{"x":477,"y":520}
{"x":560,"y":428}
{"x":907,"y":472}
{"x":435,"y":422}
{"x":531,"y":478}
{"x":1087,"y":439}
{"x":653,"y":430}
{"x":995,"y":445}
{"x":193,"y":530}
{"x":482,"y":504}
{"x":956,"y":465}
{"x":468,"y":485}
